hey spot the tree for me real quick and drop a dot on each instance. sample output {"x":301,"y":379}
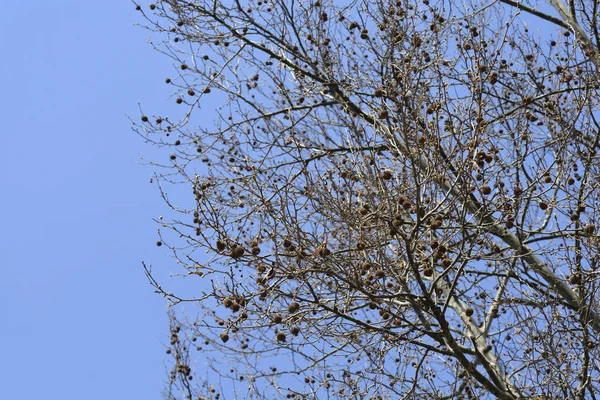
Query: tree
{"x":395,"y":199}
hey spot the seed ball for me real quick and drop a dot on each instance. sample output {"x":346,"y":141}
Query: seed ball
{"x":191,"y":92}
{"x":325,"y":252}
{"x":287,"y":244}
{"x":237,"y":252}
{"x":220,"y":245}
{"x":138,"y":7}
{"x":486,"y":190}
{"x":224,"y":337}
{"x":281,"y":337}
{"x":295,"y":331}
{"x":469,"y":312}
{"x":207,"y":90}
{"x":379,"y":274}
{"x":168,"y":80}
{"x":543,"y":205}
{"x":428,"y":272}
{"x":510,"y":224}
{"x":144,"y":118}
{"x":228,"y":302}
{"x":255,"y":250}
{"x":172,"y":156}
{"x":179,"y":100}
{"x":159,"y":243}
{"x":570,"y":181}
{"x":378,"y":92}
{"x":574,"y":217}
{"x":152,"y":6}
{"x":387,"y":175}
{"x":384,"y":114}
{"x":184,"y":66}
{"x":293,"y":307}
{"x":589,"y":229}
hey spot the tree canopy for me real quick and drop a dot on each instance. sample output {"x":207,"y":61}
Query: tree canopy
{"x":393,"y":199}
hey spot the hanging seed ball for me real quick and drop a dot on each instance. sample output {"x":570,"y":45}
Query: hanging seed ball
{"x":152,"y":6}
{"x":255,"y":250}
{"x":469,"y":312}
{"x":144,"y":118}
{"x":220,"y":245}
{"x":379,"y":274}
{"x":277,"y":319}
{"x":543,"y":205}
{"x":510,"y":224}
{"x":575,"y":279}
{"x":281,"y":337}
{"x":179,"y":100}
{"x":428,"y":272}
{"x":486,"y":189}
{"x":159,"y":243}
{"x":293,"y":307}
{"x":589,"y":229}
{"x":172,"y":156}
{"x":228,"y":302}
{"x":168,"y":80}
{"x":184,"y":66}
{"x":287,"y":243}
{"x":325,"y":252}
{"x":574,"y":217}
{"x":387,"y":175}
{"x":570,"y":181}
{"x":237,"y":252}
{"x":191,"y":92}
{"x":384,"y":114}
{"x":378,"y":92}
{"x":295,"y":330}
{"x":224,"y":337}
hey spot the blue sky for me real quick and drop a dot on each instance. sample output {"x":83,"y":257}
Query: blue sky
{"x":79,"y":319}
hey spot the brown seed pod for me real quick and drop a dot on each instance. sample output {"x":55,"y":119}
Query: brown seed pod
{"x":277,"y":319}
{"x":281,"y":337}
{"x":287,"y":243}
{"x":379,"y":92}
{"x":427,"y":271}
{"x":255,"y":250}
{"x":379,"y":274}
{"x":387,"y":175}
{"x":237,"y":251}
{"x":384,"y":114}
{"x":224,"y":337}
{"x":469,"y":312}
{"x":295,"y":330}
{"x":184,"y":66}
{"x":144,"y":118}
{"x":543,"y":205}
{"x":293,"y":307}
{"x":486,"y":189}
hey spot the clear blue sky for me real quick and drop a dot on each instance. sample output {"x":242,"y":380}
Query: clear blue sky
{"x":79,"y":320}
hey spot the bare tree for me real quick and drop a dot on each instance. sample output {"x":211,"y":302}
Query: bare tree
{"x":395,"y":199}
